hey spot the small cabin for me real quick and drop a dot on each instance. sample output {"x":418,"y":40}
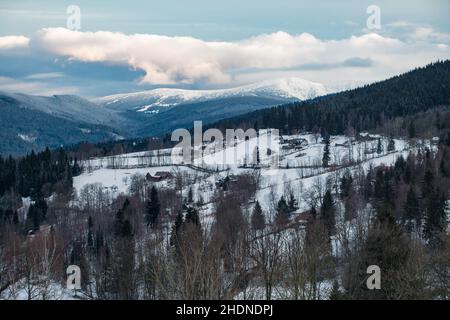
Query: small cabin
{"x":365,"y":136}
{"x":164,"y":175}
{"x":159,"y":176}
{"x":435,"y":141}
{"x":303,"y":217}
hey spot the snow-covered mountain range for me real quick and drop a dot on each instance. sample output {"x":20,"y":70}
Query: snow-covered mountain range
{"x":151,"y":101}
{"x":65,"y":119}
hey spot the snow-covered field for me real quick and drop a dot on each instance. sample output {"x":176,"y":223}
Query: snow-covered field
{"x":299,"y":165}
{"x":21,"y":290}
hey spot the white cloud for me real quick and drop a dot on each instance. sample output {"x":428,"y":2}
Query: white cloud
{"x":427,"y":33}
{"x":13,"y":85}
{"x":413,"y":32}
{"x":12,"y":42}
{"x":44,"y":76}
{"x":171,"y":60}
{"x":186,"y":60}
{"x":32,"y":87}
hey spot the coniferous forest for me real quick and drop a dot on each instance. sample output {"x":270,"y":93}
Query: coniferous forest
{"x":412,"y":104}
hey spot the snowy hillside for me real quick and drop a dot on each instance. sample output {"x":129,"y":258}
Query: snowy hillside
{"x":299,"y":166}
{"x":139,"y":114}
{"x":286,"y":88}
{"x":70,"y":107}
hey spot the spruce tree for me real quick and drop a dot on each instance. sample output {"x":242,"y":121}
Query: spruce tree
{"x":174,"y":236}
{"x":335,"y":293}
{"x":118,"y":223}
{"x":379,"y":147}
{"x":412,"y":130}
{"x":258,"y":158}
{"x":122,"y":224}
{"x":346,"y":184}
{"x":411,"y":216}
{"x":37,"y":213}
{"x":257,"y":220}
{"x":153,"y":208}
{"x":292,"y":204}
{"x":391,"y":145}
{"x":388,"y":248}
{"x":328,"y":212}
{"x":282,"y":214}
{"x":192,"y":217}
{"x":127,"y":229}
{"x":326,"y":152}
{"x":435,"y":218}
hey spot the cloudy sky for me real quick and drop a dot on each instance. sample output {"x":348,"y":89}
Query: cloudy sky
{"x":137,"y":45}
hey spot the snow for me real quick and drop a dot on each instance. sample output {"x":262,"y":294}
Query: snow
{"x":117,"y":180}
{"x":300,"y":170}
{"x":53,"y":291}
{"x":287,"y":88}
{"x":27,"y":137}
{"x":297,"y":173}
{"x":280,"y":292}
{"x":84,"y":130}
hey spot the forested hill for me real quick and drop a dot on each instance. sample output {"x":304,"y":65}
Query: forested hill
{"x":391,"y":101}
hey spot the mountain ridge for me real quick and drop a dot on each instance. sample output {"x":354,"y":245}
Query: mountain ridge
{"x":282,"y":88}
{"x":67,"y":119}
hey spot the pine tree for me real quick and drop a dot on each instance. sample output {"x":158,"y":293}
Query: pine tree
{"x":192,"y":217}
{"x":153,"y":208}
{"x":174,"y":237}
{"x":127,"y":229}
{"x":387,"y":247}
{"x":122,"y":224}
{"x":412,"y":130}
{"x":292,"y":204}
{"x":435,"y":218}
{"x":328,"y":212}
{"x":335,"y":293}
{"x":257,"y":220}
{"x":118,"y":223}
{"x":412,"y":216}
{"x":379,"y":147}
{"x":282,"y":214}
{"x":391,"y":145}
{"x":326,"y":152}
{"x":37,"y":213}
{"x":258,"y":158}
{"x":33,"y":220}
{"x":346,"y":184}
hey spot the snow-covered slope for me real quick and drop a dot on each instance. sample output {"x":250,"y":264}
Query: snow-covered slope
{"x":29,"y":122}
{"x":69,"y":107}
{"x":299,"y":167}
{"x":145,"y":101}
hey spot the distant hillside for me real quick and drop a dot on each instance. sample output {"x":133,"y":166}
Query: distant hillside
{"x":398,"y":101}
{"x":165,"y":98}
{"x":157,"y":111}
{"x":33,"y":123}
